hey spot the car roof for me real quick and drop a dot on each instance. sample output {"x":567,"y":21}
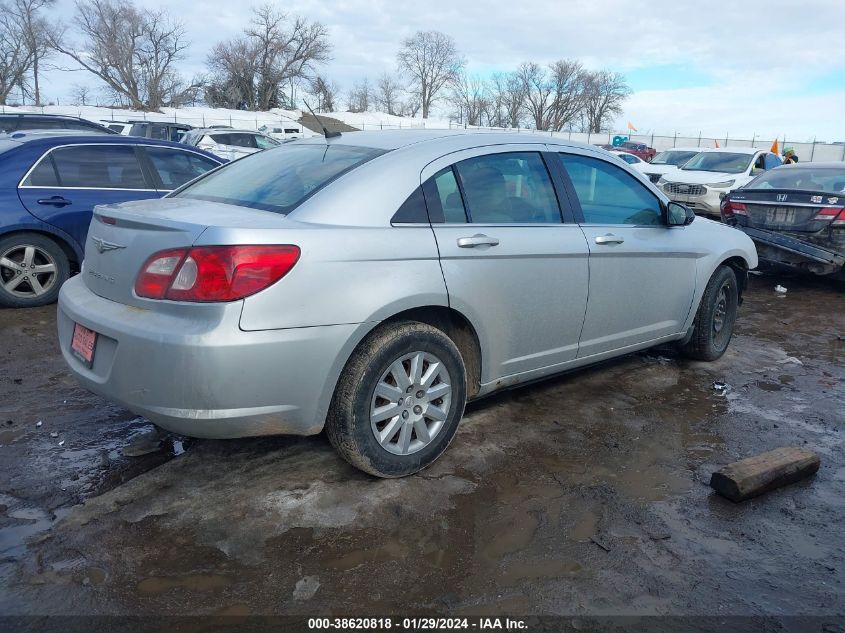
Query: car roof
{"x":455,"y":139}
{"x":49,"y":138}
{"x":225,"y":130}
{"x":828,"y":164}
{"x":684,"y":149}
{"x":735,"y":150}
{"x":42,"y":116}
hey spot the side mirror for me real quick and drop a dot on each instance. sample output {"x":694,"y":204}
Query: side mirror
{"x":678,"y":214}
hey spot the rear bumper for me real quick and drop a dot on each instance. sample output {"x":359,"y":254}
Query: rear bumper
{"x":785,"y":249}
{"x":190,"y":368}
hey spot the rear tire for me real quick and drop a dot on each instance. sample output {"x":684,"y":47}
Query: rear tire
{"x":714,"y":322}
{"x":33,"y":268}
{"x":399,"y":400}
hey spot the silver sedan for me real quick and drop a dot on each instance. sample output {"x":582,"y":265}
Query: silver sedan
{"x":371,"y":284}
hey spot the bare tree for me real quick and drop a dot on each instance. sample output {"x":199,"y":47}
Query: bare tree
{"x":15,"y":56}
{"x":606,"y":91}
{"x":507,"y":99}
{"x":325,"y":92}
{"x":80,"y":95}
{"x":388,"y":93}
{"x":469,"y":94}
{"x":360,"y":96}
{"x":38,"y":33}
{"x":431,"y":60}
{"x":539,"y":94}
{"x":568,"y":79}
{"x":276,"y":50}
{"x":133,"y":51}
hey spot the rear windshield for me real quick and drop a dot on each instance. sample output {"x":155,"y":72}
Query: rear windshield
{"x":826,"y":180}
{"x":727,"y":162}
{"x":672,"y":157}
{"x":278,"y":180}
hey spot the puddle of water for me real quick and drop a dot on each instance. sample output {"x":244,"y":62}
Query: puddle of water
{"x":195,"y":582}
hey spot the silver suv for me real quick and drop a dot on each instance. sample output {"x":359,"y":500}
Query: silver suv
{"x":371,"y":284}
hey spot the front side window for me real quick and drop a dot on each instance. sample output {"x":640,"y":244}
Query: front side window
{"x":279,"y":181}
{"x":508,"y":188}
{"x":175,"y":167}
{"x":96,"y":167}
{"x":610,"y":195}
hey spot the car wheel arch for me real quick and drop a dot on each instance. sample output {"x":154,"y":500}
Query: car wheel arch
{"x":740,"y":267}
{"x":63,"y":241}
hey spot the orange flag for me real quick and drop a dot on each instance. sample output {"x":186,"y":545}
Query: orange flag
{"x":716,"y":141}
{"x":774,"y":149}
{"x":631,"y":127}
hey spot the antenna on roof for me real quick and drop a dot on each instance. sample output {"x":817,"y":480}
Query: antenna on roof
{"x":326,"y":133}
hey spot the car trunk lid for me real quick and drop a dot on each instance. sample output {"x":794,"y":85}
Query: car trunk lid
{"x":122,"y":237}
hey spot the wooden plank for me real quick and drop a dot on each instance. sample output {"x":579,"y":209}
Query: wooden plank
{"x":755,"y":475}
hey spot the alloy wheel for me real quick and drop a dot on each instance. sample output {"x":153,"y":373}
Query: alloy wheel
{"x":27,"y":271}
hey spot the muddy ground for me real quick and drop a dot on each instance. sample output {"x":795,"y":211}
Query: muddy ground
{"x":585,"y":494}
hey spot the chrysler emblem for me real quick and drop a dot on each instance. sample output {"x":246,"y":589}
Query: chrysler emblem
{"x":781,"y":197}
{"x":104,"y":246}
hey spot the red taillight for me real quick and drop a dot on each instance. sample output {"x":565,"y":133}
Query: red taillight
{"x":730,"y":208}
{"x":214,"y":273}
{"x":837,"y":214}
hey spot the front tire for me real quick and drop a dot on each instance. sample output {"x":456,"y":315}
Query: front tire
{"x":399,"y":400}
{"x":714,"y":322}
{"x":32,"y":270}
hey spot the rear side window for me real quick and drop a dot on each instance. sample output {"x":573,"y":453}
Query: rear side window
{"x":175,"y":167}
{"x":99,"y":167}
{"x":159,"y":132}
{"x":44,"y":174}
{"x":413,"y":210}
{"x":508,"y":188}
{"x":279,"y":181}
{"x":610,"y":195}
{"x":443,"y":196}
{"x":235,"y":139}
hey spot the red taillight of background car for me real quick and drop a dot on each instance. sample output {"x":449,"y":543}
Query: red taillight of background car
{"x":837,"y":214}
{"x":733,"y":208}
{"x":214,"y":273}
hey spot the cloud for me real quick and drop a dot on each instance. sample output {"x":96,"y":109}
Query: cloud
{"x":757,"y":61}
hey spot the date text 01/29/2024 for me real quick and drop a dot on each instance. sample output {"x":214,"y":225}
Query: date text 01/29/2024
{"x":417,"y":624}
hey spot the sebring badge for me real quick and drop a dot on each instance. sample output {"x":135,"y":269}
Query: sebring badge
{"x":104,"y":246}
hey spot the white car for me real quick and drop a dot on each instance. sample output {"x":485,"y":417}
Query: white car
{"x":703,"y":181}
{"x":283,"y":133}
{"x":634,"y":161}
{"x":668,"y":161}
{"x":229,"y":143}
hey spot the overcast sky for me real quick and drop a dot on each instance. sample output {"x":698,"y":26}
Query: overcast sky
{"x":770,"y":67}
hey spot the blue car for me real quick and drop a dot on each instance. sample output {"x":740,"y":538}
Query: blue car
{"x":50,"y":182}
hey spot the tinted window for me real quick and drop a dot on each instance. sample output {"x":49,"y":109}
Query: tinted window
{"x":413,"y":210}
{"x":44,"y":175}
{"x":628,"y":158}
{"x":279,"y":180}
{"x":728,"y":162}
{"x":99,"y":166}
{"x":444,"y":198}
{"x":822,"y":179}
{"x":28,"y":123}
{"x":508,"y":188}
{"x":610,"y":195}
{"x":235,"y":139}
{"x":672,"y":157}
{"x":176,"y":167}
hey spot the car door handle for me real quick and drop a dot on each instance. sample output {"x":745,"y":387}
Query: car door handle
{"x":477,"y":240}
{"x":55,"y":201}
{"x":610,"y":238}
